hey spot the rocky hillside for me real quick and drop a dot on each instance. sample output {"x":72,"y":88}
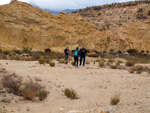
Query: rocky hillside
{"x":122,"y":21}
{"x":22,"y":25}
{"x":119,"y":28}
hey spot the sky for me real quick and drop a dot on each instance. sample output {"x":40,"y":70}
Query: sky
{"x":60,"y":5}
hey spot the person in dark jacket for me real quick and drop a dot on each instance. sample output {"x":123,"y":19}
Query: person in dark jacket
{"x":83,"y":52}
{"x":66,"y":53}
{"x":76,"y":54}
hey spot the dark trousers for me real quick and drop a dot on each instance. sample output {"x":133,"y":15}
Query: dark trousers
{"x":76,"y":61}
{"x":66,"y":56}
{"x":82,"y":58}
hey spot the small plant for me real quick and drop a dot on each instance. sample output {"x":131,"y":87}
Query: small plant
{"x":101,"y":64}
{"x":42,"y":95}
{"x":115,"y":100}
{"x":52,"y":64}
{"x":129,"y":63}
{"x":42,"y":61}
{"x":26,"y":50}
{"x":139,"y":71}
{"x":70,"y":93}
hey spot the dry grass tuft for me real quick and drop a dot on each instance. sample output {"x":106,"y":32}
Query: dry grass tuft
{"x":52,"y":64}
{"x":115,"y":100}
{"x":12,"y":82}
{"x":70,"y":93}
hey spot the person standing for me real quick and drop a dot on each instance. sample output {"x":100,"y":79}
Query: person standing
{"x":76,"y":54}
{"x":83,"y":52}
{"x":67,"y":53}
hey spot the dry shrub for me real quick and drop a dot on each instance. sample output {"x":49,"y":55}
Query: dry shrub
{"x":63,"y":61}
{"x":31,"y":90}
{"x":52,"y":64}
{"x":139,"y":69}
{"x":70,"y":93}
{"x":92,"y":54}
{"x":129,"y":63}
{"x":42,"y":61}
{"x":12,"y":82}
{"x":115,"y":100}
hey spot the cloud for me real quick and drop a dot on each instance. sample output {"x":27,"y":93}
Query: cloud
{"x":4,"y":2}
{"x":65,"y":4}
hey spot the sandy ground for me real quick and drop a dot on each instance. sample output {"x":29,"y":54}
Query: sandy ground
{"x":95,"y":86}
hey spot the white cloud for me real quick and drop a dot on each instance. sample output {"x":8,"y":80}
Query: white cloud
{"x":4,"y":2}
{"x":65,"y":4}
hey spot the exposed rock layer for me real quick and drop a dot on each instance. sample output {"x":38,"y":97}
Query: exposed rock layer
{"x":22,"y":25}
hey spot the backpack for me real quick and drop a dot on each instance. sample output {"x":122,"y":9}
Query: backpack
{"x":76,"y":53}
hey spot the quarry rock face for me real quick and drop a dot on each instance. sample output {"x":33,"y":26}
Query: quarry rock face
{"x":22,"y":25}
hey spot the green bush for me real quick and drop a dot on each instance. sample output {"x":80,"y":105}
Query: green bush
{"x":42,"y":95}
{"x":70,"y":93}
{"x":52,"y":64}
{"x":42,"y":61}
{"x":115,"y":100}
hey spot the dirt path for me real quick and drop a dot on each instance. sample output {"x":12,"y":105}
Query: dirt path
{"x":95,"y":86}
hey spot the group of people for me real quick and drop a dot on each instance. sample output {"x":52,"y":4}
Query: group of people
{"x":82,"y":52}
